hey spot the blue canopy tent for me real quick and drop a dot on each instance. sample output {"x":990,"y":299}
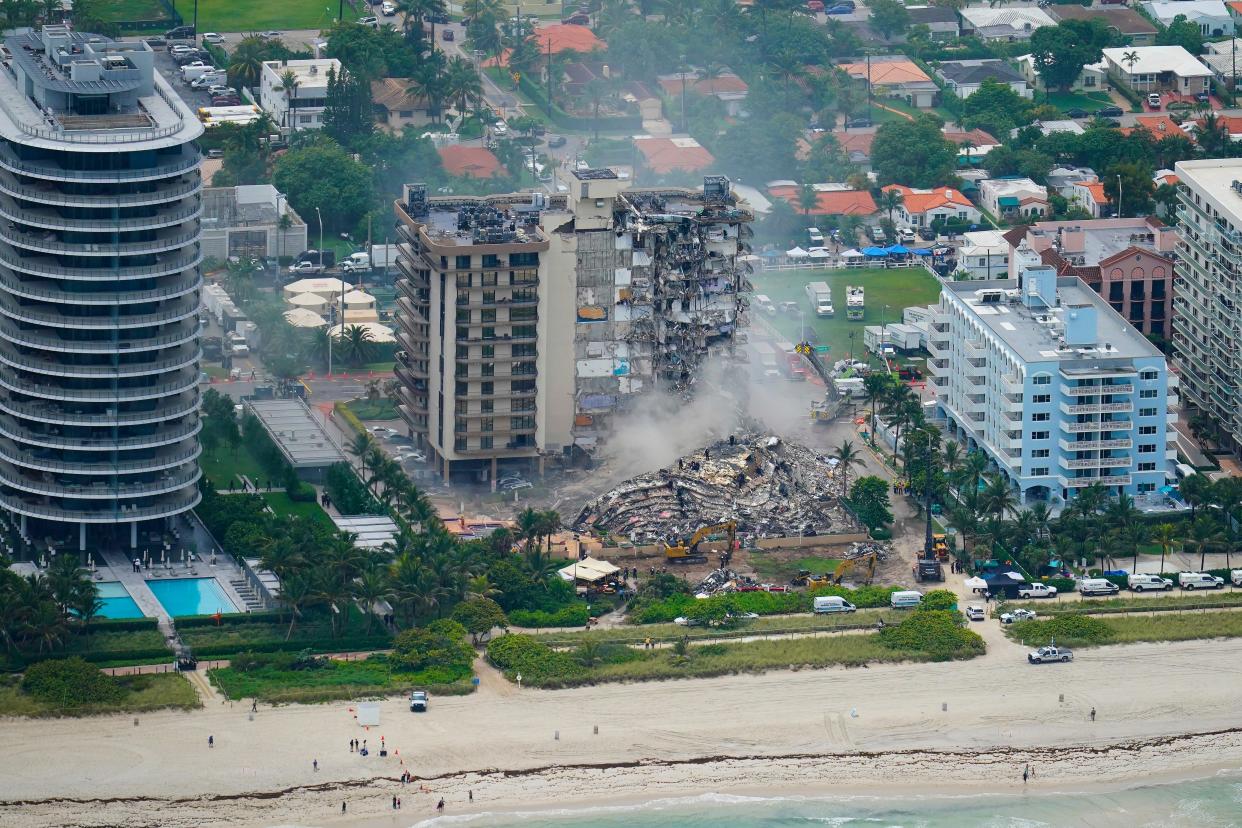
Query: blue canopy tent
{"x":898,"y":250}
{"x":875,"y":251}
{"x":921,"y":251}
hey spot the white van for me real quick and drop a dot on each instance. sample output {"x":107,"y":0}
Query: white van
{"x":763,"y":303}
{"x":1139,"y":582}
{"x":1235,"y":577}
{"x":816,"y":237}
{"x":905,"y":599}
{"x":1097,"y":586}
{"x":1199,"y":580}
{"x":832,"y":603}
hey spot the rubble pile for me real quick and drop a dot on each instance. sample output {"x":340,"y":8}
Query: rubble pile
{"x":858,"y":550}
{"x":721,"y":580}
{"x":769,"y":486}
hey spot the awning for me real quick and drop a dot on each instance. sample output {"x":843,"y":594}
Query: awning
{"x":820,"y":253}
{"x":852,"y":254}
{"x":588,"y":569}
{"x":921,"y":251}
{"x":898,"y":249}
{"x":875,"y":251}
{"x":797,"y":253}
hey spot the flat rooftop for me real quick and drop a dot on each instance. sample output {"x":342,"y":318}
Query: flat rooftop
{"x":1214,"y":177}
{"x":1101,"y":239}
{"x":307,"y":72}
{"x":469,"y":224}
{"x":297,"y":433}
{"x":1030,"y":332}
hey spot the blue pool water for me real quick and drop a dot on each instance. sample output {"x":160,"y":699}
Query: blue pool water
{"x":116,"y":601}
{"x":192,"y":596}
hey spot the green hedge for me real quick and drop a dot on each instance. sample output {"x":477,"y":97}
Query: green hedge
{"x":315,"y":645}
{"x":232,"y":619}
{"x":574,"y":615}
{"x":761,"y":603}
{"x":122,"y":624}
{"x":350,"y":418}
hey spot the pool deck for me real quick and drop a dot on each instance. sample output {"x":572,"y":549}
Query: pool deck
{"x":120,"y":568}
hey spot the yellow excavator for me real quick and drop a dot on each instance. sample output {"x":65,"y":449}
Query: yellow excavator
{"x":850,"y":564}
{"x":687,"y":551}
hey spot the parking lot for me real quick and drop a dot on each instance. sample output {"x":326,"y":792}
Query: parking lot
{"x":167,"y":67}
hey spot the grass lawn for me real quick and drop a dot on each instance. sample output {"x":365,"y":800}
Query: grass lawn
{"x":135,"y":10}
{"x":104,"y":647}
{"x":249,"y":16}
{"x":1075,"y":605}
{"x":269,"y":636}
{"x":224,"y":463}
{"x":382,"y":409}
{"x":1090,"y":632}
{"x":379,"y":367}
{"x":529,"y":108}
{"x":143,"y":693}
{"x":896,"y":287}
{"x":338,"y":680}
{"x":938,"y":111}
{"x":781,"y":570}
{"x":1090,"y":101}
{"x":282,"y":505}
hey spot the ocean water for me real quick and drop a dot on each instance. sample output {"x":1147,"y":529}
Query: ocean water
{"x":1209,"y":803}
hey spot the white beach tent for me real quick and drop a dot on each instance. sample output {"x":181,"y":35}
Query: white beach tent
{"x":304,"y":318}
{"x":797,"y":253}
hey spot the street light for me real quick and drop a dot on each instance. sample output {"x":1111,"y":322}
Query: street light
{"x":331,"y":309}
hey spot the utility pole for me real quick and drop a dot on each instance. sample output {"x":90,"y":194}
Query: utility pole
{"x":1118,"y":195}
{"x":331,"y":310}
{"x":868,"y":86}
{"x":683,"y":93}
{"x":927,"y":478}
{"x":196,"y":18}
{"x":549,"y":71}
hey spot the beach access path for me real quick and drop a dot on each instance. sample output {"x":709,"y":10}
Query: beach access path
{"x":962,"y":724}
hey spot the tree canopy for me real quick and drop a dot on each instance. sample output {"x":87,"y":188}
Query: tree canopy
{"x":914,"y":153}
{"x":322,"y":174}
{"x":1060,"y":52}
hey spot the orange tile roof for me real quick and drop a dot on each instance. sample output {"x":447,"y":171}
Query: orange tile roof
{"x":830,"y":203}
{"x":1169,"y":178}
{"x":1235,"y":6}
{"x":920,"y":201}
{"x":855,"y":142}
{"x":887,"y":72}
{"x":1231,"y":124}
{"x":723,"y":83}
{"x":975,"y":136}
{"x":567,"y":38}
{"x":1096,"y":190}
{"x":1158,"y":125}
{"x":663,"y":155}
{"x":473,"y":162}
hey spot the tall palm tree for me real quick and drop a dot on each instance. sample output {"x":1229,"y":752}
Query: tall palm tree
{"x":808,"y":199}
{"x":1166,"y":535}
{"x":462,"y":84}
{"x":549,"y":525}
{"x":875,"y":389}
{"x":951,"y":459}
{"x":289,"y":80}
{"x":890,"y":200}
{"x":998,"y":497}
{"x":1205,"y":536}
{"x":528,"y":527}
{"x":846,"y":456}
{"x":370,"y":588}
{"x":246,"y":61}
{"x":356,"y":344}
{"x":360,"y":446}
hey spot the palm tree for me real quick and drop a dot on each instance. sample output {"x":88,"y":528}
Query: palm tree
{"x":973,"y":468}
{"x":1129,"y":59}
{"x":356,"y":344}
{"x":1205,"y":535}
{"x":808,"y":199}
{"x":372,"y":587}
{"x":1166,"y":535}
{"x":597,"y":90}
{"x":951,"y":459}
{"x":289,"y":81}
{"x":890,"y":200}
{"x":875,"y":388}
{"x":372,"y":462}
{"x":462,"y":84}
{"x":998,"y":497}
{"x":246,"y":61}
{"x":473,"y":8}
{"x":360,"y":446}
{"x":528,"y":527}
{"x":1196,"y":490}
{"x":431,"y":84}
{"x":549,"y":524}
{"x":846,"y":456}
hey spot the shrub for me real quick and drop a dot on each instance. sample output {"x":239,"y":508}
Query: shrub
{"x":761,"y":603}
{"x":347,"y":492}
{"x":939,"y":599}
{"x":440,"y":643}
{"x":479,"y":616}
{"x":350,"y":418}
{"x":938,"y":633}
{"x":1069,"y":630}
{"x":70,"y":682}
{"x":574,"y":615}
{"x":301,"y":492}
{"x":535,"y":661}
{"x":1067,"y":585}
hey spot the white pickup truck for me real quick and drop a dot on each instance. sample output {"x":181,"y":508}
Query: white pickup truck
{"x":1037,"y":591}
{"x":1049,"y":653}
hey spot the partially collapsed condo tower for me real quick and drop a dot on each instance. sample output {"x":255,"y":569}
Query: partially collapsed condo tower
{"x":563,"y":311}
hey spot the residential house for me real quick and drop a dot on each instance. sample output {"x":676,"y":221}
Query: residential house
{"x":1226,"y":66}
{"x":724,"y":86}
{"x":470,"y":162}
{"x":1160,"y":126}
{"x":921,"y":208}
{"x":984,"y":254}
{"x":1122,"y":21}
{"x":830,"y":199}
{"x":1013,"y":198}
{"x":1008,"y":23}
{"x":650,"y":108}
{"x":1092,"y":78}
{"x":895,"y":76}
{"x":1230,"y":124}
{"x":1050,"y":127}
{"x":1089,"y":195}
{"x":1159,"y":69}
{"x":1235,"y":8}
{"x":941,"y":21}
{"x":1211,"y":16}
{"x":1060,"y":180}
{"x":1165,"y":177}
{"x":974,"y":144}
{"x":663,"y":156}
{"x":965,"y":77}
{"x":396,"y":107}
{"x":1130,"y":262}
{"x":301,"y":106}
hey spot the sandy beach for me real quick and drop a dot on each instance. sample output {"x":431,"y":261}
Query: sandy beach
{"x":1164,"y":711}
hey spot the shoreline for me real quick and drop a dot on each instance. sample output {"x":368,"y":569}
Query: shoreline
{"x":890,"y":730}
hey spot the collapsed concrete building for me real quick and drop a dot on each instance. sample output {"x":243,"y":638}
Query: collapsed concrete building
{"x":528,"y":321}
{"x":770,"y":487}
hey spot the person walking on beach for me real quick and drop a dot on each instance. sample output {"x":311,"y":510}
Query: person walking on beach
{"x":254,"y":705}
{"x":1093,"y":714}
{"x":211,"y":741}
{"x":315,"y":765}
{"x":342,"y":807}
{"x":1026,"y":772}
{"x":471,"y":795}
{"x":394,"y":802}
{"x":440,"y":805}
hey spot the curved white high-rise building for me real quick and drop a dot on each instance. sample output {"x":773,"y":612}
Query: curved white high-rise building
{"x":99,"y":290}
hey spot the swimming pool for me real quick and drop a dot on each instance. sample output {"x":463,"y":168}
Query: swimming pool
{"x":116,"y":600}
{"x":192,"y":596}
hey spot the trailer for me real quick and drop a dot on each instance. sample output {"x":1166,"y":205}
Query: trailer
{"x":767,"y":360}
{"x":896,"y":335}
{"x":854,"y":302}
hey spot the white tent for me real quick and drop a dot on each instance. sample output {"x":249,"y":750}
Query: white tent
{"x":820,"y":253}
{"x":310,"y":301}
{"x":359,"y":300}
{"x":852,"y":254}
{"x":327,"y":287}
{"x":379,"y":333}
{"x":797,"y":253}
{"x":304,"y":318}
{"x":588,"y":569}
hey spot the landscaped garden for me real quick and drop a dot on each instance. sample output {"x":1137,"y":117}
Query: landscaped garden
{"x":72,"y":687}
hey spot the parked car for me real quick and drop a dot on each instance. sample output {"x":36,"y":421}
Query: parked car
{"x":975,"y":613}
{"x":1203,"y":97}
{"x":1051,"y":653}
{"x":1139,"y":582}
{"x":272,"y":35}
{"x":840,"y":8}
{"x":305,"y":268}
{"x":226,"y":100}
{"x":1109,"y":112}
{"x":219,"y":89}
{"x":370,"y":20}
{"x":214,"y":38}
{"x":206,"y":82}
{"x":1037,"y":590}
{"x":388,"y":9}
{"x":1235,"y":577}
{"x":556,"y":141}
{"x":447,"y":34}
{"x":1199,"y":580}
{"x":179,"y":33}
{"x":788,"y":307}
{"x":215,"y":153}
{"x":1153,"y":100}
{"x":1017,"y":615}
{"x":905,"y":234}
{"x":419,"y":701}
{"x":857,"y":122}
{"x":927,"y":234}
{"x":1097,"y":586}
{"x":1077,"y":113}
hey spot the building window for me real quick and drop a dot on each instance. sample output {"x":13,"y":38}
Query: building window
{"x":1041,"y":379}
{"x":486,"y":406}
{"x":1041,"y":417}
{"x":1146,"y":467}
{"x":490,"y":278}
{"x":1149,"y":393}
{"x":1116,"y":292}
{"x":488,"y":315}
{"x":486,"y":424}
{"x":1147,"y":430}
{"x":1147,"y":487}
{"x":1039,"y":435}
{"x":1149,"y":375}
{"x":1041,"y":398}
{"x":485,"y":443}
{"x":1039,"y":471}
{"x":1147,"y":412}
{"x":488,"y":389}
{"x":491,"y":260}
{"x":489,"y":351}
{"x":462,"y":262}
{"x":1147,"y":448}
{"x":1039,"y":453}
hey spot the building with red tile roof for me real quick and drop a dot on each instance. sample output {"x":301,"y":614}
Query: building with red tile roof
{"x":830,"y":199}
{"x":471,"y":162}
{"x":1089,"y":195}
{"x":1158,"y":125}
{"x":919,"y":208}
{"x":666,"y":155}
{"x":561,"y":37}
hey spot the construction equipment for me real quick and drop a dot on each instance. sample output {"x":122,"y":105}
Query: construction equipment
{"x":806,"y":579}
{"x":687,"y":550}
{"x":850,"y":564}
{"x":940,"y":547}
{"x":928,"y":569}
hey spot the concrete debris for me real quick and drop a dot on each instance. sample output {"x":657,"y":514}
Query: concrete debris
{"x":858,"y":550}
{"x":771,"y":488}
{"x":721,"y":580}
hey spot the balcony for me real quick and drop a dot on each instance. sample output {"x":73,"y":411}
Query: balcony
{"x":93,"y":418}
{"x":168,"y":481}
{"x":44,"y":339}
{"x":47,"y":242}
{"x":1095,"y":463}
{"x":72,"y":440}
{"x":180,"y":382}
{"x":53,"y":195}
{"x":938,"y":348}
{"x":42,"y":462}
{"x":118,"y":513}
{"x":49,"y":219}
{"x":1078,"y":428}
{"x":166,"y":265}
{"x":975,"y":368}
{"x":499,"y":302}
{"x":1094,"y":445}
{"x":182,"y":357}
{"x":1013,"y":384}
{"x":495,"y":339}
{"x":37,"y":290}
{"x":495,"y":395}
{"x":41,"y":315}
{"x":55,"y":172}
{"x":1098,"y":408}
{"x":1093,"y":390}
{"x":409,"y":374}
{"x":1083,"y":482}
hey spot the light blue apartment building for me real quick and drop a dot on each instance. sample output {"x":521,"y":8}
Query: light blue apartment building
{"x":1056,"y":387}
